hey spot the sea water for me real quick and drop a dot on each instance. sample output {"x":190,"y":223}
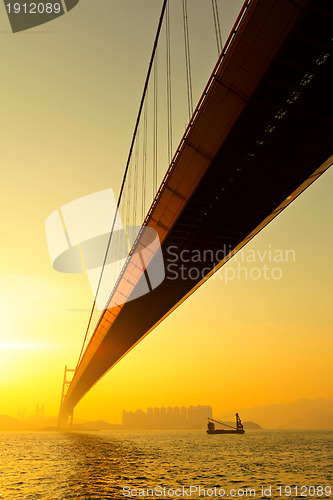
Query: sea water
{"x":166,"y":464}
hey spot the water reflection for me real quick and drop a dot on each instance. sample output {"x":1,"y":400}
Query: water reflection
{"x":99,"y":465}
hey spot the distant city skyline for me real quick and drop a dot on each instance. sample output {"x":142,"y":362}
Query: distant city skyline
{"x":193,"y":417}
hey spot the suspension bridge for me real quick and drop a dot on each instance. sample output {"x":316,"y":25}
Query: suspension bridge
{"x":259,"y":136}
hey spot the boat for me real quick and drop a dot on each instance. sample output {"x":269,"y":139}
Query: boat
{"x":239,"y":429}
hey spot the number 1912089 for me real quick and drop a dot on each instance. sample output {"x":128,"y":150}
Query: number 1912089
{"x":33,"y":8}
{"x":305,"y":491}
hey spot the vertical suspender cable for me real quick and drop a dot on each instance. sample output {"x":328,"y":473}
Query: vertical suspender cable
{"x":129,"y":196}
{"x":136,"y":179}
{"x":155,"y":138}
{"x":188,"y":61}
{"x":217,"y":27}
{"x":168,"y":57}
{"x":144,"y":152}
{"x":126,"y":168}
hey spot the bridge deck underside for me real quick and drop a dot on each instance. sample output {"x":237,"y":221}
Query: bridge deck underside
{"x":281,"y":136}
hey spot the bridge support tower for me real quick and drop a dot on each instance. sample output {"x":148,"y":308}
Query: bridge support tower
{"x":65,"y":420}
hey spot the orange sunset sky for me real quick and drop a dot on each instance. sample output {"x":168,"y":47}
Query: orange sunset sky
{"x":70,"y":92}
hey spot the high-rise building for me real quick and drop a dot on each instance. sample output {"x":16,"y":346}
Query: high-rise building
{"x":195,"y":417}
{"x":150,"y":418}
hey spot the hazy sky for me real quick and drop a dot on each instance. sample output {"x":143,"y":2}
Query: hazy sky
{"x":70,"y":92}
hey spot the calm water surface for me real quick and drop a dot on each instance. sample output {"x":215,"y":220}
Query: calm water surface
{"x":98,"y":465}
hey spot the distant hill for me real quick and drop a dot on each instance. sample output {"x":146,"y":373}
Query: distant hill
{"x":98,"y":425}
{"x":247,"y":425}
{"x":10,"y":424}
{"x":251,"y":425}
{"x":302,"y":414}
